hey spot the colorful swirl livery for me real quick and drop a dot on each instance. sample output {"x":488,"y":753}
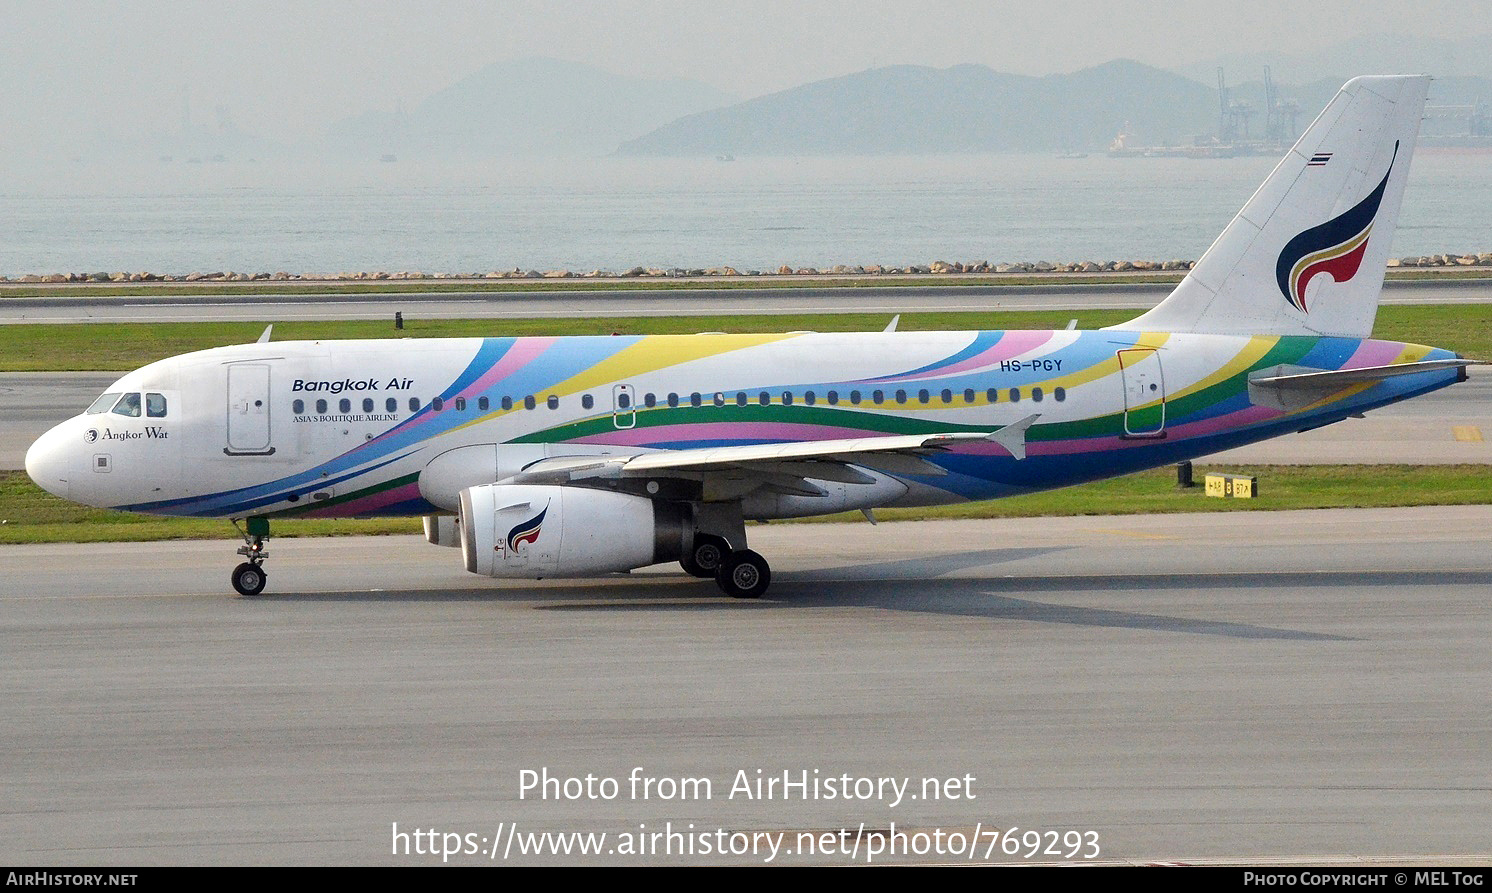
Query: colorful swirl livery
{"x":543,"y":457}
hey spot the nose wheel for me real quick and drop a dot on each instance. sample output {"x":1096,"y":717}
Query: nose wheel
{"x":249,"y":578}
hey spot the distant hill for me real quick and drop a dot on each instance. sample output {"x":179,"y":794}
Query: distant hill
{"x":967,"y":108}
{"x":526,"y":107}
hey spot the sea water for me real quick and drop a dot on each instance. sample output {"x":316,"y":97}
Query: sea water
{"x":612,"y":214}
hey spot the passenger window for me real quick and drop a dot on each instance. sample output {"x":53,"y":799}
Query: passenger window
{"x":764,"y":398}
{"x":104,"y":403}
{"x":947,"y":396}
{"x":128,"y":405}
{"x":155,"y":406}
{"x":808,"y":397}
{"x":740,"y":398}
{"x":344,"y":405}
{"x":992,"y":395}
{"x":298,"y":407}
{"x":968,"y":395}
{"x":878,"y":397}
{"x":694,"y":399}
{"x":460,"y":404}
{"x":586,"y":402}
{"x":528,"y":402}
{"x":367,"y":404}
{"x":321,"y":406}
{"x":1059,"y":394}
{"x":833,"y":398}
{"x":483,"y":404}
{"x":507,"y":403}
{"x":901,"y":396}
{"x":1036,"y":394}
{"x":787,"y":398}
{"x":552,"y":402}
{"x":414,"y":404}
{"x":1015,"y":395}
{"x":649,"y":400}
{"x":391,"y":404}
{"x":719,"y":399}
{"x":922,"y":396}
{"x":855,"y":397}
{"x":673,"y":400}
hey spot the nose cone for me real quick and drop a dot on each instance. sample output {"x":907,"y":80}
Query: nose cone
{"x":50,"y":459}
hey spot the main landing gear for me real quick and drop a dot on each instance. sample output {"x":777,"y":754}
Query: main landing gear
{"x":740,"y":573}
{"x":249,"y":578}
{"x":743,"y":574}
{"x":706,"y":555}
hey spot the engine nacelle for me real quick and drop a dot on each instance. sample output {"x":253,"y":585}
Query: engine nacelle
{"x":529,"y":532}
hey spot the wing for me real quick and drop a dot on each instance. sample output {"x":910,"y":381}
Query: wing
{"x":783,"y":467}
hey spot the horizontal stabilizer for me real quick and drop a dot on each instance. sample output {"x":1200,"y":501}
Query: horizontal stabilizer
{"x":1297,"y":378}
{"x":1293,"y":388}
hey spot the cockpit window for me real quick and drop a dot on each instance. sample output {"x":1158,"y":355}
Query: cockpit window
{"x":103,"y":404}
{"x":155,"y":405}
{"x":128,"y":405}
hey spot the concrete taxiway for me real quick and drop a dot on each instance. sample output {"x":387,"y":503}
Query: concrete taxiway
{"x":1245,"y":686}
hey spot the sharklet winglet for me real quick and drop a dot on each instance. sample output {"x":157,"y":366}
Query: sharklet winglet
{"x":1013,"y":436}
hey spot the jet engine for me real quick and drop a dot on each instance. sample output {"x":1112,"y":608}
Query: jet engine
{"x":443,"y":530}
{"x":529,"y":532}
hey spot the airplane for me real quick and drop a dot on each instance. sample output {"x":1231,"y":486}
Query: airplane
{"x":587,"y":455}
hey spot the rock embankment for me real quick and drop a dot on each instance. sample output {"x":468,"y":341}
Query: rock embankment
{"x":936,"y":268}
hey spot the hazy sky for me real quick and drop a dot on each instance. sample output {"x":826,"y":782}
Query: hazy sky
{"x":86,"y":66}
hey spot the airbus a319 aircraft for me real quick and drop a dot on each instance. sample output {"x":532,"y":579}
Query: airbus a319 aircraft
{"x":580,"y":456}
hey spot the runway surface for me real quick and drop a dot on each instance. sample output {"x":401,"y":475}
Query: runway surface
{"x":1450,"y":426}
{"x":1229,"y":686}
{"x":77,"y":306}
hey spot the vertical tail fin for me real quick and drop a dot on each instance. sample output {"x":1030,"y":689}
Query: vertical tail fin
{"x":1306,"y":254}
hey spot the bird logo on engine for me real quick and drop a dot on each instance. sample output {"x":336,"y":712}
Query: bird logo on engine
{"x":524,"y":533}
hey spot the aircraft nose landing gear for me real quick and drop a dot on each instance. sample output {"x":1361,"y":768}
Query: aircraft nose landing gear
{"x":249,"y":578}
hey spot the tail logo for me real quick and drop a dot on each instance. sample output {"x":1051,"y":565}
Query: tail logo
{"x":1335,"y":248}
{"x":526,"y":532}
